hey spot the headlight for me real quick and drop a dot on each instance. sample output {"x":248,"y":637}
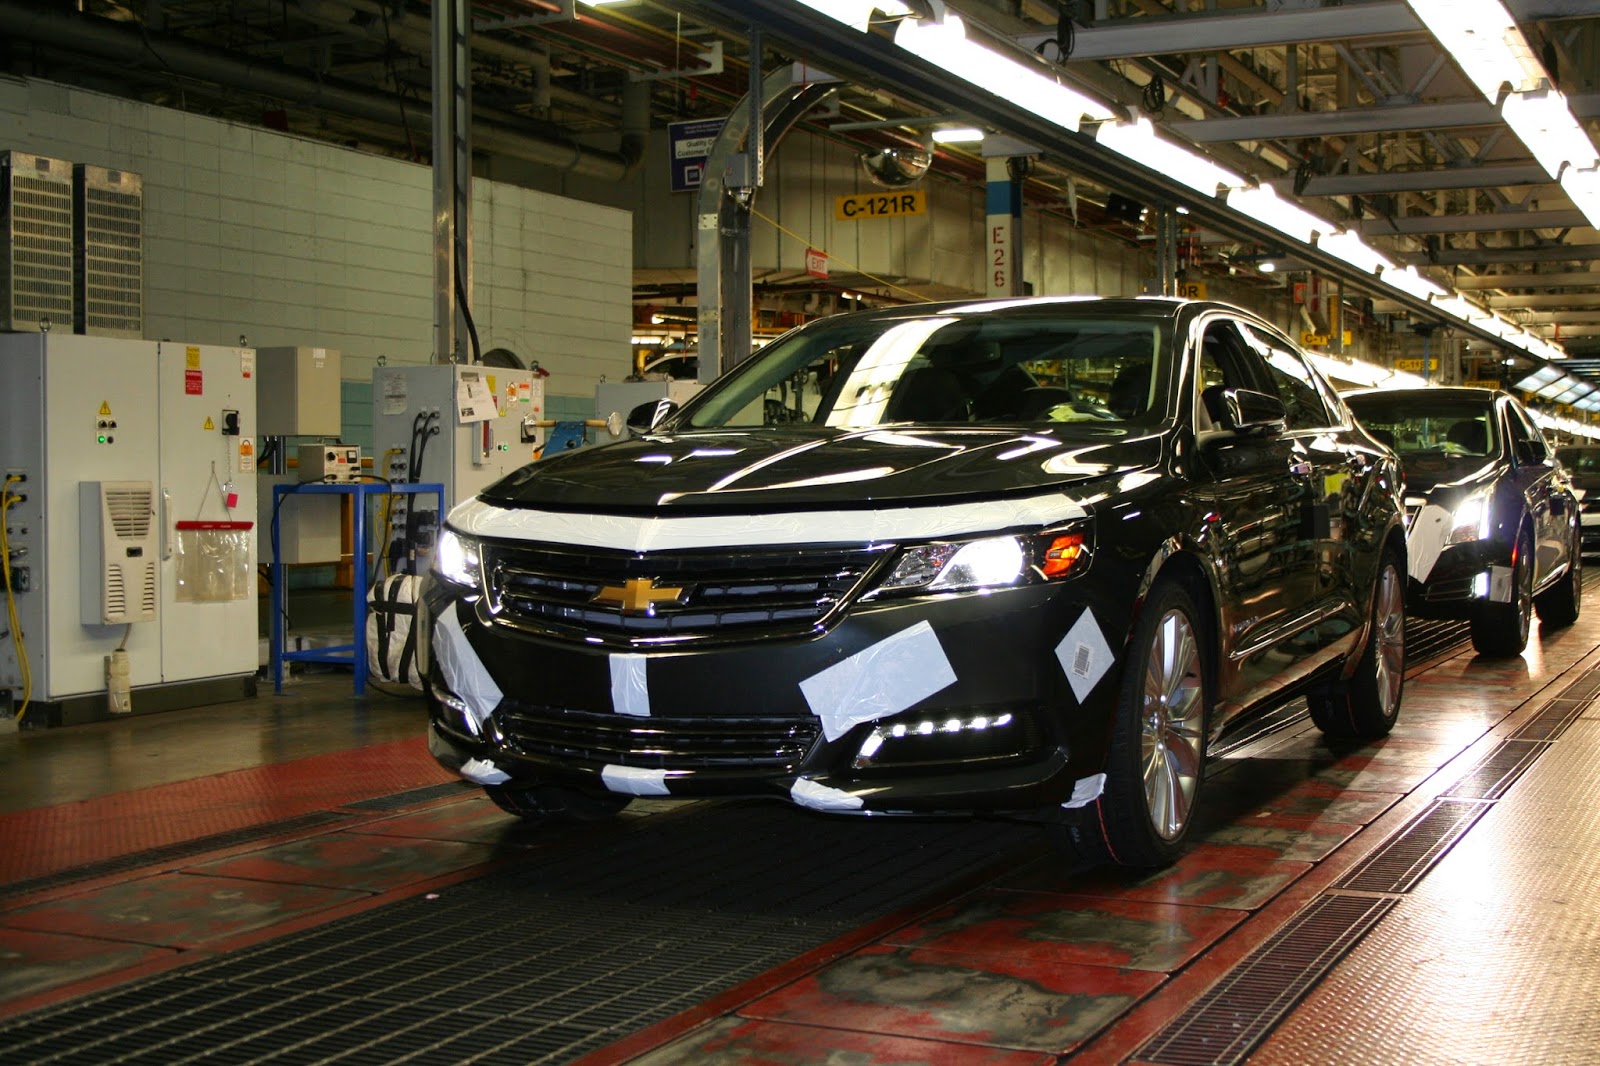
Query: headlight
{"x":456,"y":559}
{"x":945,"y":567}
{"x":1471,"y":520}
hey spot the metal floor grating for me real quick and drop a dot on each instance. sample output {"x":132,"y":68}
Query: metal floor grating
{"x":1429,"y":638}
{"x":538,"y":963}
{"x":1224,"y":1024}
{"x":167,"y":853}
{"x":1405,"y":858}
{"x":1497,"y":771}
{"x":397,"y":800}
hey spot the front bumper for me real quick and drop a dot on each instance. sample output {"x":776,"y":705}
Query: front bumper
{"x":965,"y":698}
{"x":1463,"y":579}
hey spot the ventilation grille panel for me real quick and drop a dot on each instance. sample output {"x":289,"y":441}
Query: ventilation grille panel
{"x":109,"y":247}
{"x":131,"y":511}
{"x":35,"y":242}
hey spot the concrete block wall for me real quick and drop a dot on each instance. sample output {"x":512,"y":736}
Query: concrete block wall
{"x":296,"y":242}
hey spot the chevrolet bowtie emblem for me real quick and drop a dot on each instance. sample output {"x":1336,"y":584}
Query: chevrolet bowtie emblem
{"x":636,"y":595}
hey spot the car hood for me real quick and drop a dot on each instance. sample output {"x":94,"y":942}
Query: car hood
{"x":1448,"y":477}
{"x":770,"y":470}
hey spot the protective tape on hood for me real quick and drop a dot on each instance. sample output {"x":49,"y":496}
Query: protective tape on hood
{"x":483,"y":772}
{"x":883,"y":679}
{"x":1429,"y":530}
{"x":640,"y":534}
{"x":807,"y":793}
{"x":635,"y":780}
{"x":1084,"y":655}
{"x":630,"y":694}
{"x":463,"y":671}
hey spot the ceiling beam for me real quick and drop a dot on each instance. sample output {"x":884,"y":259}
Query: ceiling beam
{"x":1343,"y":122}
{"x":1555,"y":280}
{"x":1488,"y":222}
{"x":1543,"y":253}
{"x":1390,"y":181}
{"x":1550,"y":10}
{"x":1564,"y":318}
{"x":1543,"y":301}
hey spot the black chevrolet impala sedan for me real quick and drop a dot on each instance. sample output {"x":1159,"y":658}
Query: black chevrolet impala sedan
{"x":1028,"y":558}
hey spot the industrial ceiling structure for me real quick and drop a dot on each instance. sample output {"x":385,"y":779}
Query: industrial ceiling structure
{"x":1356,"y":111}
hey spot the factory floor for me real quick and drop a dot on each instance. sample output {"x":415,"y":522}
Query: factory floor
{"x":292,"y":879}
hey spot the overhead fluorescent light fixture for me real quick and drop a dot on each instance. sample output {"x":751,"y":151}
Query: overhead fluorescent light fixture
{"x":1411,"y":283}
{"x":1139,"y":141}
{"x":1582,"y":187}
{"x":1460,"y":307}
{"x":1557,"y":387}
{"x":1538,"y":379}
{"x":1267,"y":207}
{"x":857,"y":14}
{"x":946,"y":45}
{"x":1349,"y":247}
{"x":957,"y":135}
{"x":1543,"y":121}
{"x":1483,"y":39}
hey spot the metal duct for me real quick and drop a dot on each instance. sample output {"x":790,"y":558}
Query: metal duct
{"x":127,"y":45}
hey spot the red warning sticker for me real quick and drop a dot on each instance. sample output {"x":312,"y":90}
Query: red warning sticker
{"x":193,"y":383}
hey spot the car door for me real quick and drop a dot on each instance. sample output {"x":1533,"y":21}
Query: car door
{"x":1534,"y":469}
{"x":1255,"y":507}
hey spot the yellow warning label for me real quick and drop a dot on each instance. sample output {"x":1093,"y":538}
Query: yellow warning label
{"x":105,"y":408}
{"x":210,"y":424}
{"x":191,"y":357}
{"x":491,"y":383}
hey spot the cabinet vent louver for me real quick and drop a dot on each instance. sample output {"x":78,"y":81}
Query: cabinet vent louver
{"x":117,"y":542}
{"x":35,"y":242}
{"x":108,"y":252}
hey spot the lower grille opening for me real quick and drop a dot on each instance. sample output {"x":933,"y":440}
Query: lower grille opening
{"x":775,"y":744}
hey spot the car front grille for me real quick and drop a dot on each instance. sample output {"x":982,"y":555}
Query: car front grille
{"x":599,"y":596}
{"x":777,"y":744}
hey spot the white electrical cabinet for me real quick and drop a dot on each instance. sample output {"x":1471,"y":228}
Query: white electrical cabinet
{"x":463,"y":426}
{"x":140,"y":512}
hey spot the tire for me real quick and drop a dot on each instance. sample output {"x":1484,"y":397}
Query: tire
{"x":555,"y":804}
{"x":1501,"y":630}
{"x":1155,"y":766}
{"x":1365,"y":705}
{"x":1560,"y":605}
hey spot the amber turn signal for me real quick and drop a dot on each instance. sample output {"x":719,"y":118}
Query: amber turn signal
{"x":1063,"y":554}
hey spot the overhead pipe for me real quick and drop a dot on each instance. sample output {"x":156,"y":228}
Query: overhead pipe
{"x":127,"y":45}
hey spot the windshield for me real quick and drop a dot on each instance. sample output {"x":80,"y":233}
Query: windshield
{"x":1419,"y":424}
{"x":856,"y":372}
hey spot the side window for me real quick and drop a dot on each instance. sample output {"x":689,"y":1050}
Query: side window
{"x":1225,"y":362}
{"x":1524,"y":429}
{"x":1292,"y":380}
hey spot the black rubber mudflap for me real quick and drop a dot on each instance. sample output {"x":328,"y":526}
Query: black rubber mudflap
{"x":571,"y":949}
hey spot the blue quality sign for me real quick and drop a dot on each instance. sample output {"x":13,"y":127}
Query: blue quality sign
{"x":690,"y":144}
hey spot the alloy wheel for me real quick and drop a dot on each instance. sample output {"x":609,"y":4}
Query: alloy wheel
{"x":1172,"y":725}
{"x":1390,"y":618}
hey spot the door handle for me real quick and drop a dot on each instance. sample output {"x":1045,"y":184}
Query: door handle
{"x":166,"y":526}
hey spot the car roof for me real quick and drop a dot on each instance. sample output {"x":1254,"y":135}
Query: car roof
{"x":1150,"y":306}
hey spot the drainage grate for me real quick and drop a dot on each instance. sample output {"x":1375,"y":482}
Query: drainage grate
{"x":1497,"y":771}
{"x":412,"y":796}
{"x":1225,"y":1024}
{"x":1552,"y":720}
{"x":1429,"y":638}
{"x":1405,"y":858}
{"x":184,"y":849}
{"x":565,"y":952}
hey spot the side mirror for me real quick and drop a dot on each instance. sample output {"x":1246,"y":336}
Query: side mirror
{"x":647,"y":416}
{"x":1532,"y":452}
{"x":1245,"y":411}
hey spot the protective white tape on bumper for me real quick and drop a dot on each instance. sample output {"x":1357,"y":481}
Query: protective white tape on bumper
{"x":635,"y":781}
{"x":483,"y":772}
{"x":1086,"y":790}
{"x":1426,"y":540}
{"x":1084,"y":655}
{"x":630,"y":694}
{"x":463,"y":671}
{"x":807,"y":793}
{"x":880,"y":680}
{"x":1500,"y":584}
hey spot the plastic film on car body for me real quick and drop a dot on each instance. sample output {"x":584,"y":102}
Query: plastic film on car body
{"x":1084,"y":655}
{"x":807,"y":793}
{"x":883,"y":679}
{"x":463,"y":671}
{"x":630,"y":693}
{"x":635,"y":780}
{"x":483,"y":772}
{"x":1429,"y":530}
{"x":642,"y":534}
{"x":1086,"y":790}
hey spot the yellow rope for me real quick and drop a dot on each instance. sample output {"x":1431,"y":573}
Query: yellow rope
{"x":846,"y":263}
